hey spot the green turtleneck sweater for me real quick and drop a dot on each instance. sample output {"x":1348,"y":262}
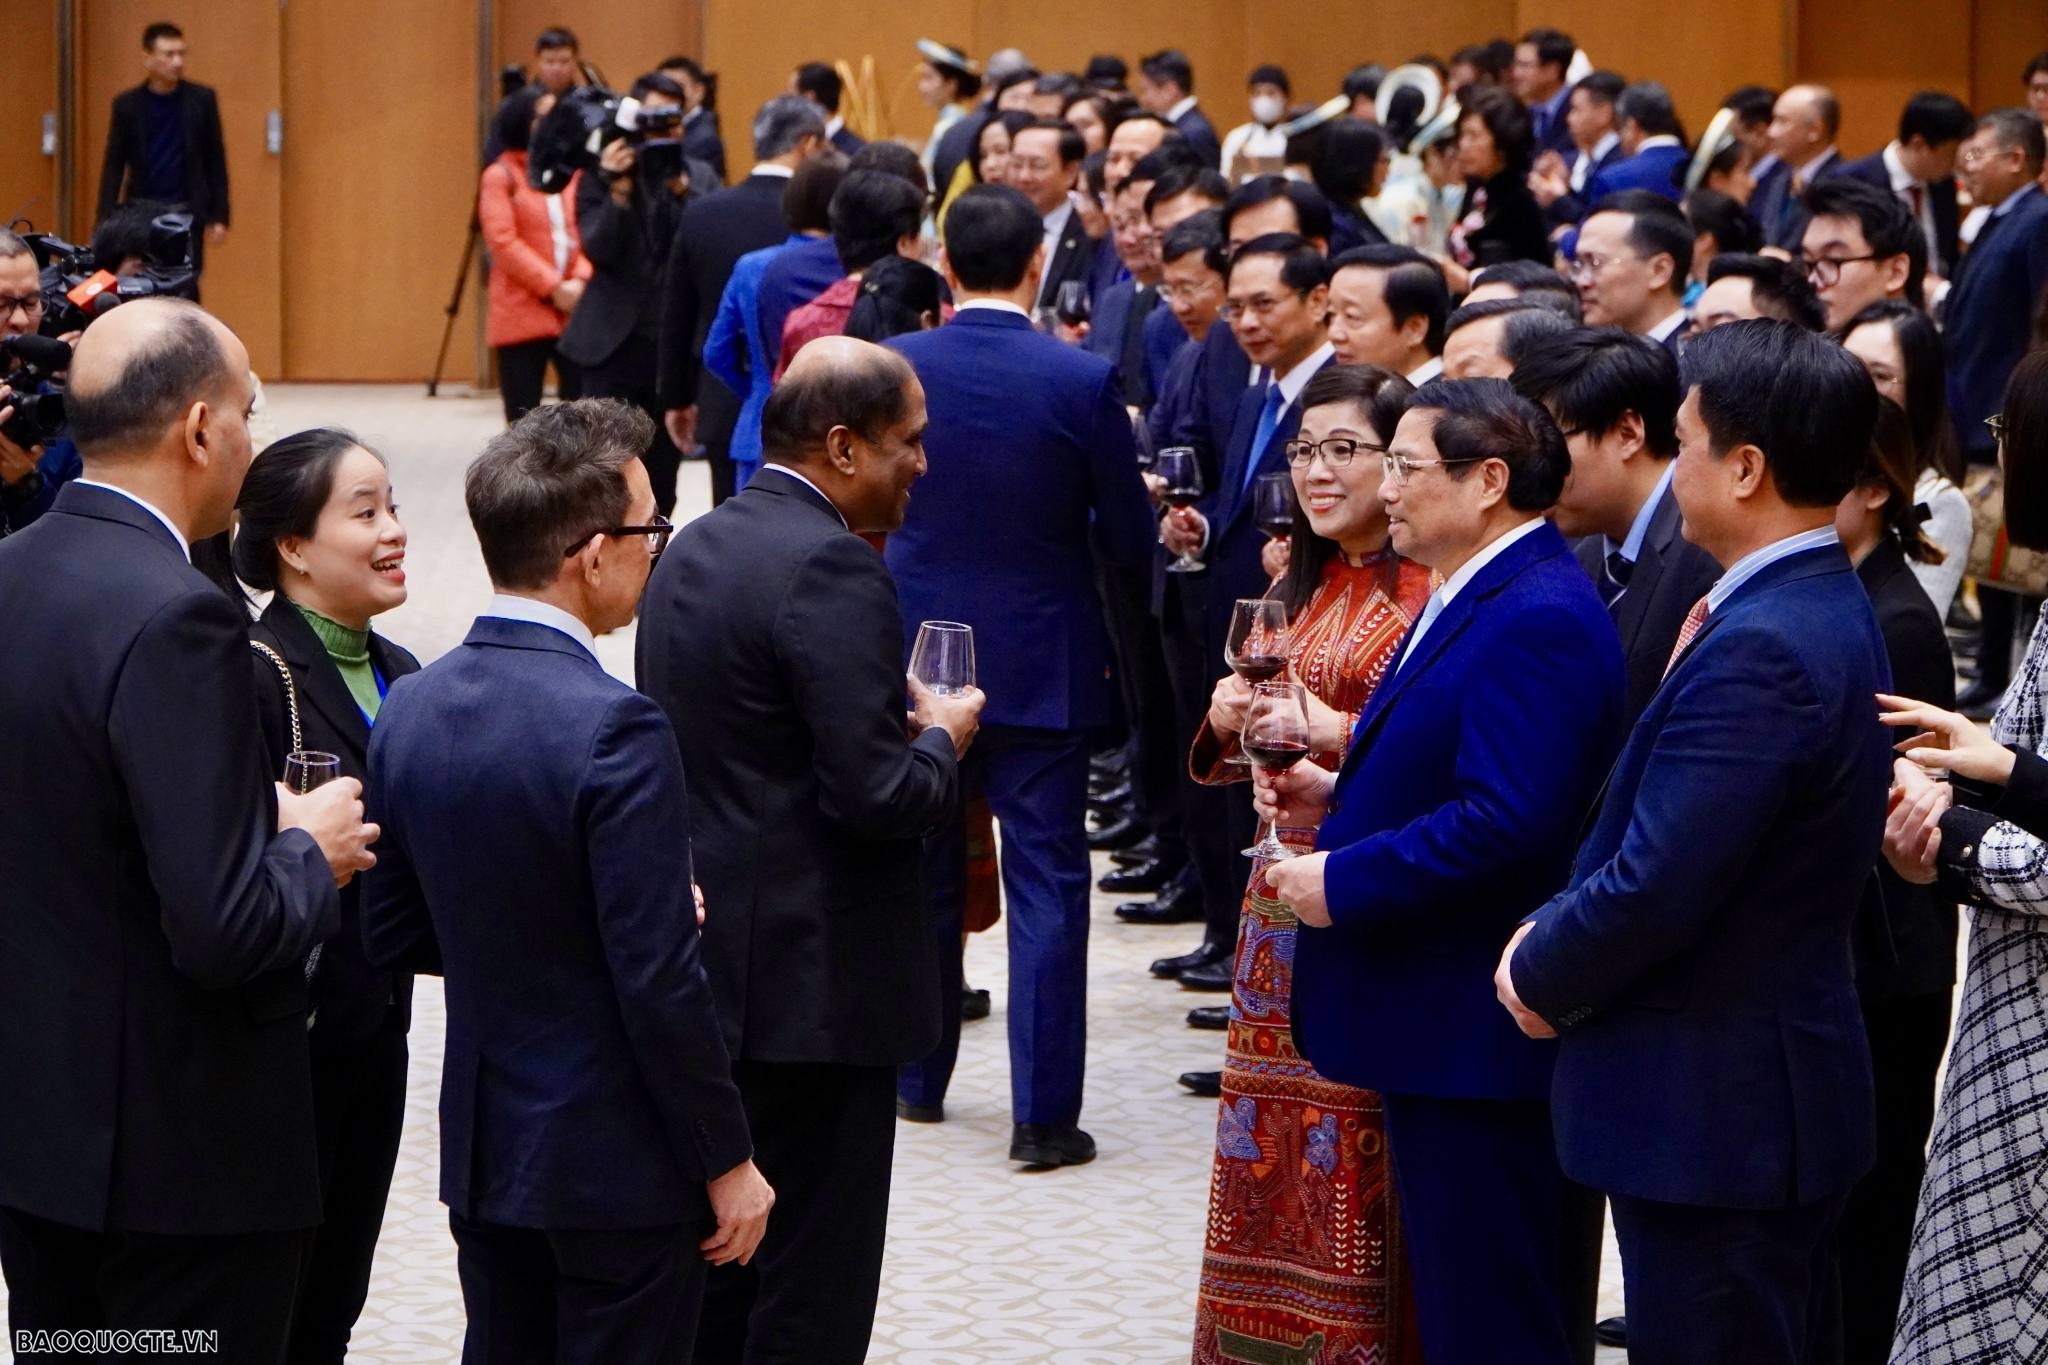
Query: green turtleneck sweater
{"x":349,"y":648}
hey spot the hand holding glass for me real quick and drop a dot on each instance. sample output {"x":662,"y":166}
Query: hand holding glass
{"x":1181,"y":473}
{"x":305,"y":769}
{"x":943,"y":657}
{"x":1275,"y":739}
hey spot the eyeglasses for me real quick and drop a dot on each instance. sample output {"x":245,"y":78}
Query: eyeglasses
{"x":1593,"y":265}
{"x":30,"y":304}
{"x":1824,"y":271}
{"x":1169,"y":292}
{"x":1399,"y":467}
{"x":657,"y":536}
{"x":1337,"y":451}
{"x":1970,"y":156}
{"x":1259,"y":307}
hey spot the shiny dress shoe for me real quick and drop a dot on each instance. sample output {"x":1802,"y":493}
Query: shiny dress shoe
{"x":1177,"y":904}
{"x":1110,"y":798}
{"x":1121,"y":832}
{"x":920,"y":1113}
{"x":1209,"y":976}
{"x":1611,"y":1331}
{"x":1206,"y":1084}
{"x":1045,"y":1144}
{"x":1215,"y":1017}
{"x":973,"y":1004}
{"x":1173,"y":968}
{"x":1144,"y":851}
{"x":1135,"y":880}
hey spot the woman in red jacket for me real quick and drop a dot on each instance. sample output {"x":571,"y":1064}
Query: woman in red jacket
{"x":537,"y":263}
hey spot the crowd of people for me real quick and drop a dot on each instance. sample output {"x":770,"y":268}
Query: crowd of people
{"x":1547,"y":537}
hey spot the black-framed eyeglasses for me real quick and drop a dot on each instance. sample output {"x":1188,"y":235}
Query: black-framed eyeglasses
{"x":1825,"y":270}
{"x":1337,"y":451}
{"x":1259,"y":307}
{"x":31,"y":305}
{"x":657,"y":536}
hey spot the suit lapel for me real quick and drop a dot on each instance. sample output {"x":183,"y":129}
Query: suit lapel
{"x":322,"y":687}
{"x":1242,"y":428}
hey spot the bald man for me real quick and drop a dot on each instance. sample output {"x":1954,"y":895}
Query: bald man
{"x":1804,"y":124}
{"x":770,"y":635}
{"x":157,"y":1164}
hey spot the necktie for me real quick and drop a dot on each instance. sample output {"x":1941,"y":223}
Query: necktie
{"x":1430,"y":611}
{"x":1918,"y":196}
{"x":1269,"y":418}
{"x":1616,"y":571}
{"x":1798,"y":186}
{"x":1694,"y":619}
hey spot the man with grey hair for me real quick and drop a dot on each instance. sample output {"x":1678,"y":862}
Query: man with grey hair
{"x":158,"y":1166}
{"x":711,"y":236}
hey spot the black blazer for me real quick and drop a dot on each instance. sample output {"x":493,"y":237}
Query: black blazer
{"x":625,"y":244}
{"x":354,"y":999}
{"x":1194,"y":125}
{"x":1941,"y":203}
{"x":1671,"y":573}
{"x":1905,"y":935}
{"x":1778,"y":211}
{"x":1073,"y":261}
{"x":710,"y":237}
{"x":1514,"y":229}
{"x":206,"y":158}
{"x":771,"y":636}
{"x":702,"y":142}
{"x":846,"y":142}
{"x":152,"y":1006}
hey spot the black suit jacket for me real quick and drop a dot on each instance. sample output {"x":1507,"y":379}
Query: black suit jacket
{"x":353,"y":999}
{"x":1194,"y":125}
{"x":1513,"y":229}
{"x":1779,"y":212}
{"x":710,"y":237}
{"x":152,"y":1005}
{"x":625,"y":244}
{"x":1671,"y":573}
{"x":846,"y":142}
{"x":701,"y":140}
{"x":1941,"y":203}
{"x":1073,"y":261}
{"x":206,"y":158}
{"x":771,"y":636}
{"x":1905,"y":935}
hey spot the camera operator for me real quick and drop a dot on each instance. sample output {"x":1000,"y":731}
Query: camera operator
{"x":30,"y":475}
{"x":627,"y":215}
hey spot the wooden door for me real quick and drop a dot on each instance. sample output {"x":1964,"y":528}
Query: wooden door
{"x":30,"y":134}
{"x":233,"y":47}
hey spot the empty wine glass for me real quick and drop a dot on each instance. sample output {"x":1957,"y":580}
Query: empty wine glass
{"x":943,"y":657}
{"x":1273,"y":504}
{"x":1181,"y":472}
{"x":305,"y":769}
{"x":1275,"y":739}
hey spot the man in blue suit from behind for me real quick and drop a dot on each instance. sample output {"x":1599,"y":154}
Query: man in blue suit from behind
{"x":1652,"y":151}
{"x":1030,"y":457}
{"x":1714,"y":1078}
{"x":594,"y":1150}
{"x":1454,"y":815}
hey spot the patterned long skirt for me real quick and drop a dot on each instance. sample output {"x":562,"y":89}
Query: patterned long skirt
{"x":1303,"y":1261}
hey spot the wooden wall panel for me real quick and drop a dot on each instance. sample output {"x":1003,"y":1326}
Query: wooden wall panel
{"x":2004,"y":34}
{"x":1853,"y":47}
{"x":232,"y":45}
{"x":623,"y":40}
{"x":1061,"y":35}
{"x":28,"y":179}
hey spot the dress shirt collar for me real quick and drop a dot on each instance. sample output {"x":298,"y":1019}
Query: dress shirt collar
{"x":1639,"y":529}
{"x":1582,"y":167}
{"x":2012,"y":201}
{"x":1663,"y":330}
{"x":1055,"y":222}
{"x":1179,"y":111}
{"x":1469,"y":570}
{"x":780,"y":172}
{"x":1295,"y":380}
{"x":508,"y":607}
{"x":785,"y":470}
{"x":1660,"y":140}
{"x":998,"y":305}
{"x":1756,"y":561}
{"x":1902,"y":179}
{"x":832,"y":127}
{"x":1429,"y":369}
{"x":184,"y":546}
{"x":1804,"y":175}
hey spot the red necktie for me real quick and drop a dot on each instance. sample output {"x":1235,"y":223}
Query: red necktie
{"x":1694,"y":619}
{"x":1919,"y":196}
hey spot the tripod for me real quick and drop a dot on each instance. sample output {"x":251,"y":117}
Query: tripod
{"x":455,"y":300}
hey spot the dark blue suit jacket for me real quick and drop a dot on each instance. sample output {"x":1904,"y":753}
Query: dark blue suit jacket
{"x":1556,"y":134}
{"x":1194,"y":125}
{"x":1572,"y":207}
{"x":1941,"y":201}
{"x":1989,"y":315}
{"x":1163,"y":341}
{"x":1457,"y":810}
{"x":1646,"y":170}
{"x":1698,"y":964}
{"x":535,"y":855}
{"x":790,"y":281}
{"x":1776,"y":210}
{"x":1030,"y":450}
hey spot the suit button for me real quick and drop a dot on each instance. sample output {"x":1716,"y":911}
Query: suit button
{"x":1968,"y":849}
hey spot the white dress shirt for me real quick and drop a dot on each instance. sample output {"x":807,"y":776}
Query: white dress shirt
{"x":507,"y":607}
{"x":1429,"y":369}
{"x":786,"y":470}
{"x":1663,"y":330}
{"x":780,"y":172}
{"x":1583,"y":164}
{"x":1467,"y":571}
{"x":1903,"y":185}
{"x":1173,"y":114}
{"x":184,"y":546}
{"x":832,"y":127}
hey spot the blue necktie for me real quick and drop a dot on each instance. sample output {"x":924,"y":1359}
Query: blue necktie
{"x":1269,"y":418}
{"x":1430,"y":611}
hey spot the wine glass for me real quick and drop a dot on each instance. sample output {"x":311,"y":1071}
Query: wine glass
{"x":943,"y":657}
{"x":1256,"y":646}
{"x":305,"y":769}
{"x":1181,"y":472}
{"x":1275,"y":739}
{"x":1273,"y":504}
{"x":1071,"y":304}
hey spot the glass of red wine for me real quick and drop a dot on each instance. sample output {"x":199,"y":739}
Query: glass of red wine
{"x":1273,"y":504}
{"x":1275,"y":739}
{"x":1256,"y":646}
{"x":1177,"y":468}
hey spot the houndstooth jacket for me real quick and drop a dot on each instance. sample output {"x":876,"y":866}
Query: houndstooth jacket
{"x":1977,"y":1278}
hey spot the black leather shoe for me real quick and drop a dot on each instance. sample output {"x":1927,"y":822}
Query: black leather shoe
{"x":1144,"y":851}
{"x":1177,"y":904}
{"x":1121,"y":832}
{"x":1611,"y":1331}
{"x":1136,"y":879}
{"x":1209,"y":976}
{"x":1172,"y":968}
{"x":920,"y":1113}
{"x":1207,"y":1084}
{"x":1980,"y":699}
{"x":1215,"y":1017}
{"x":973,"y":1004}
{"x":1044,"y":1144}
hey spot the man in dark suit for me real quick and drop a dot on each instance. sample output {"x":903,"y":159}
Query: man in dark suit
{"x":999,"y":538}
{"x":158,"y":1166}
{"x":710,"y":237}
{"x":1538,"y":75}
{"x":1166,"y":87}
{"x":164,"y":144}
{"x":1452,"y":817}
{"x":1713,"y":1078}
{"x":1860,"y":247}
{"x":594,"y":1152}
{"x":1045,"y":166}
{"x":702,"y":141}
{"x":1562,"y":179}
{"x":1633,"y":256}
{"x":1649,"y":153}
{"x":820,"y":84}
{"x":1804,"y":124}
{"x":771,"y":637}
{"x":1919,"y":168}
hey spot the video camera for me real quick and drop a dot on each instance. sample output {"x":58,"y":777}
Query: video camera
{"x":36,"y":361}
{"x":590,"y":118}
{"x":78,"y":288}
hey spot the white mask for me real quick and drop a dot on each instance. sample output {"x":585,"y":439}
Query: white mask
{"x":1268,"y":109}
